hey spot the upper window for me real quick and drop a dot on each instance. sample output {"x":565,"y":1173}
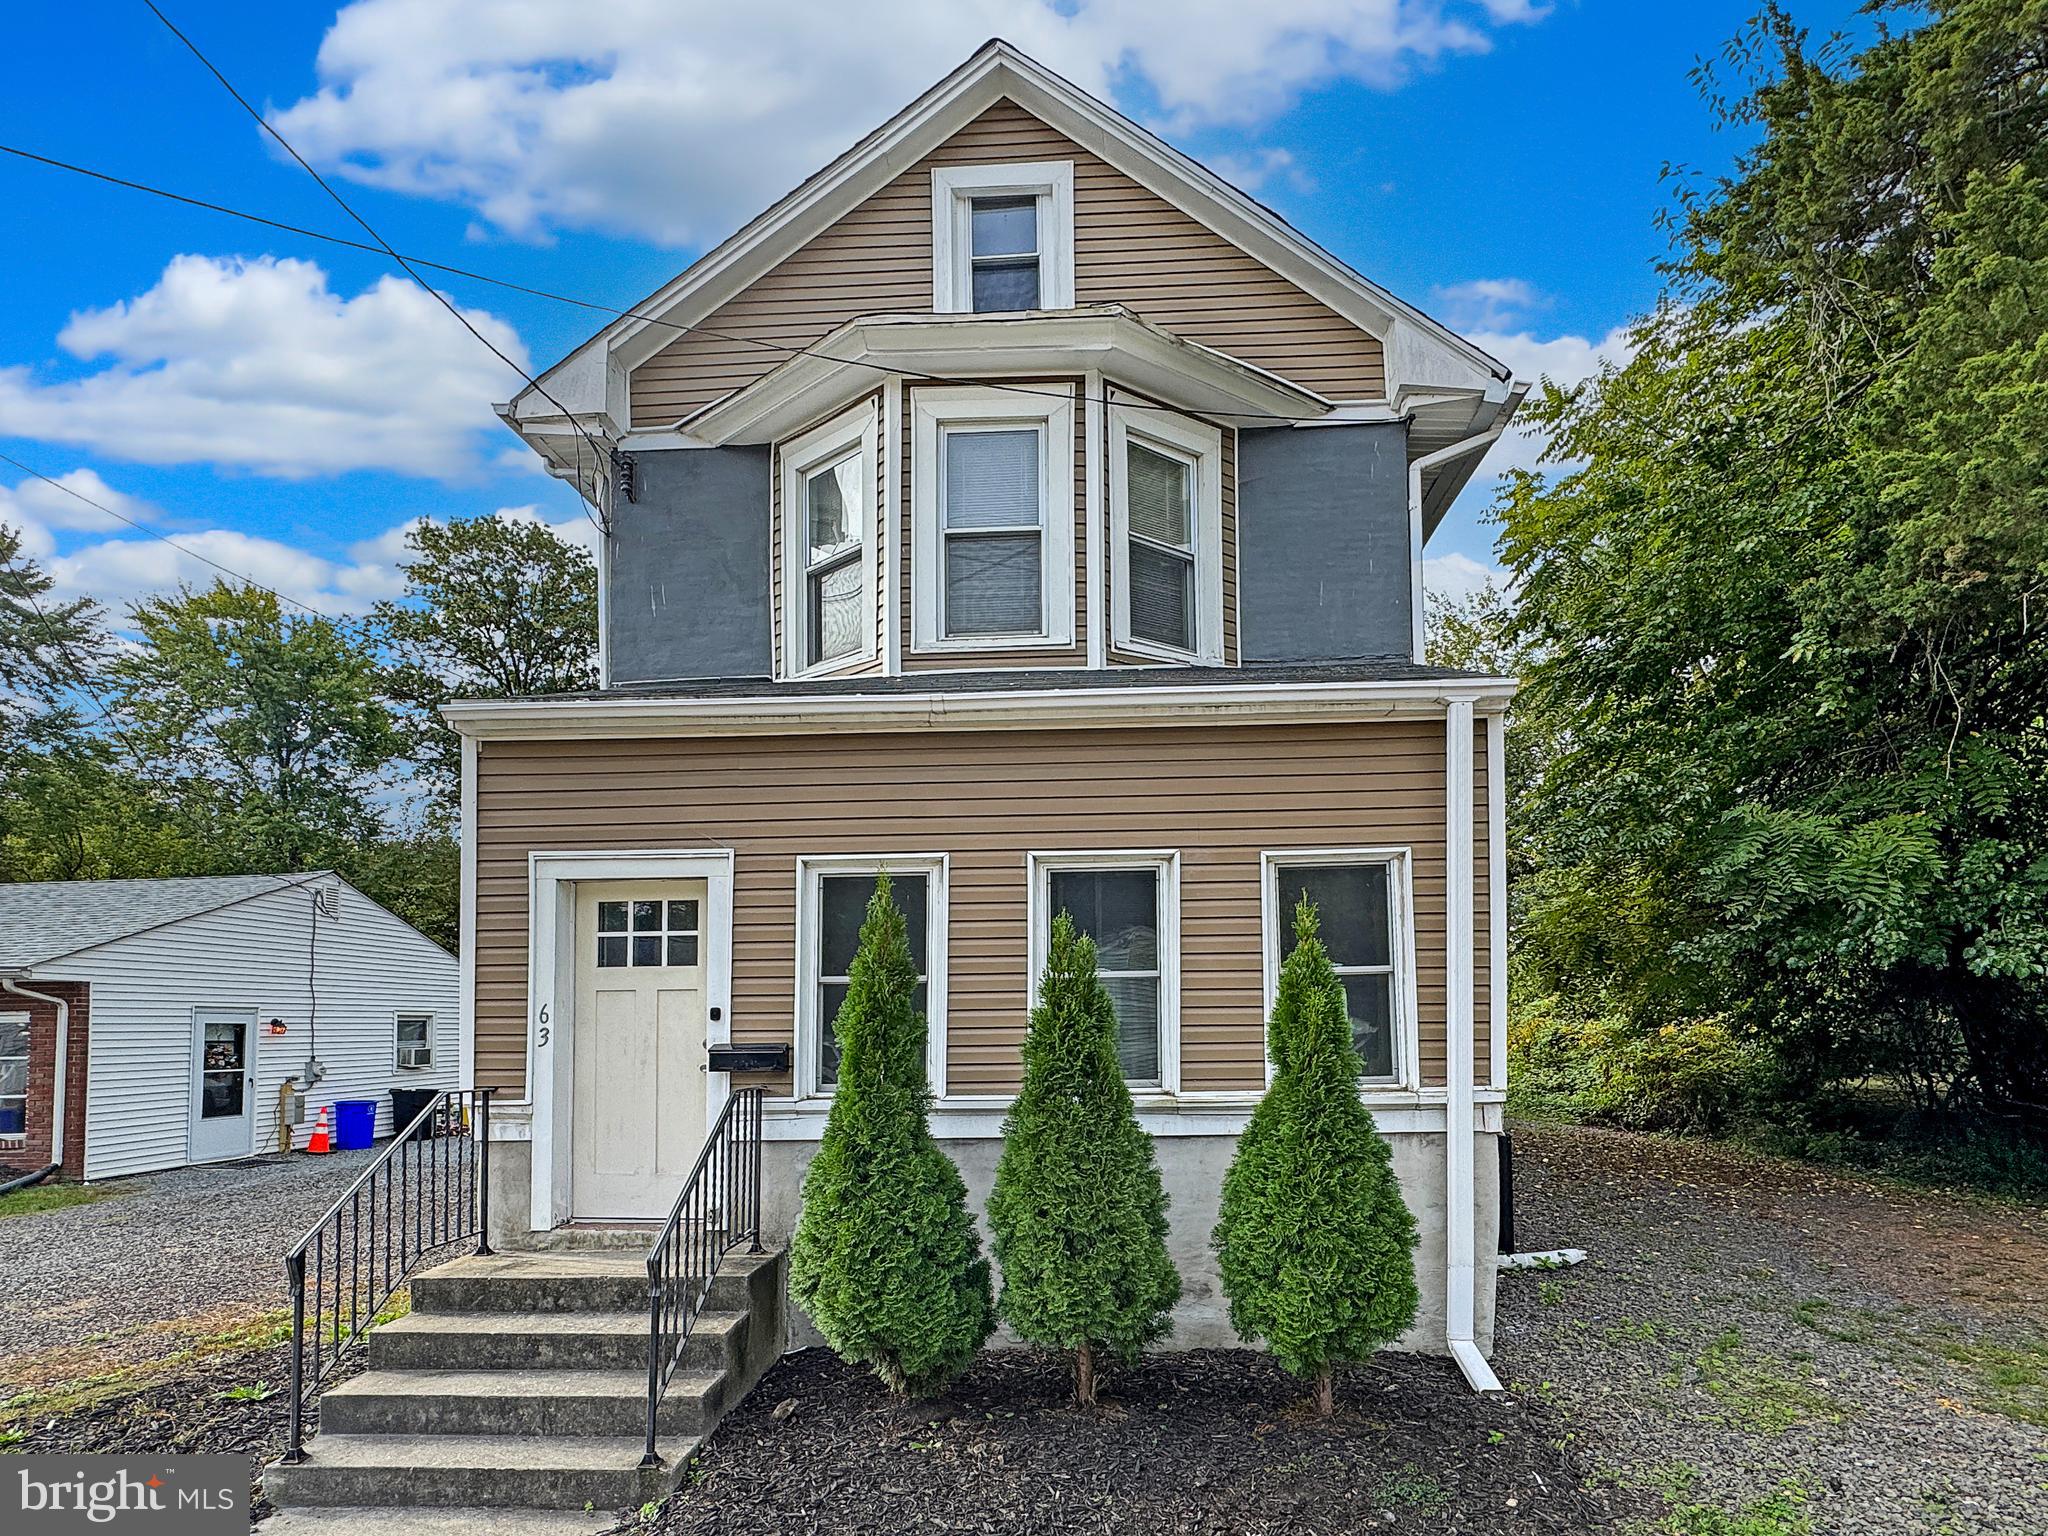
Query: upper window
{"x":1129,"y":905}
{"x":992,"y":500}
{"x":415,"y":1039}
{"x":1166,"y":531}
{"x":832,"y":904}
{"x":1003,"y":237}
{"x":829,"y":544}
{"x":14,"y":1075}
{"x":1360,"y":901}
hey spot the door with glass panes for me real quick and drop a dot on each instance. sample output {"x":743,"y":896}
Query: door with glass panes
{"x":640,"y":1048}
{"x":223,"y":1098}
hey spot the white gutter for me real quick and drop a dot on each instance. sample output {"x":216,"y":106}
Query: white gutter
{"x":62,"y":1073}
{"x":1476,"y":444}
{"x":1460,"y":1125}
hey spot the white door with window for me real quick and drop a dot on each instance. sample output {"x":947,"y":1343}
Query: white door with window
{"x":639,"y":1040}
{"x":223,"y":1096}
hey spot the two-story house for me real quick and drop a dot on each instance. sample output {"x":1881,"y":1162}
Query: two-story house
{"x":1019,"y":508}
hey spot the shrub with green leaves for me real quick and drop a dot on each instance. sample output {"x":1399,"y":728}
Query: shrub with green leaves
{"x":1315,"y":1244}
{"x":886,"y":1260}
{"x":1078,"y":1212}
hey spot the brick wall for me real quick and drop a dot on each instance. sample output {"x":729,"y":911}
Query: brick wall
{"x":34,"y":1151}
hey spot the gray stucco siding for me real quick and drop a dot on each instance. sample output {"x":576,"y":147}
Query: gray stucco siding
{"x":1323,"y":558}
{"x":689,"y":585}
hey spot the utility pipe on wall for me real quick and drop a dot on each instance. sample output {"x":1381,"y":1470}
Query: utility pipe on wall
{"x":63,"y":1008}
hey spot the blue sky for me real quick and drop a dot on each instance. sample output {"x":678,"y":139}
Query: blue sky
{"x":288,"y":408}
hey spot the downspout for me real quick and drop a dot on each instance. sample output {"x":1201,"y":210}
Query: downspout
{"x":62,"y":1064}
{"x":1474,"y":445}
{"x":1460,"y":1123}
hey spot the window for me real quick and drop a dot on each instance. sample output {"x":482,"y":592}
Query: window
{"x":13,"y":1074}
{"x":992,"y":513}
{"x":1129,"y":904}
{"x":1166,"y":526}
{"x":415,"y":1040}
{"x":1362,"y":902}
{"x":224,"y":1069}
{"x":832,"y":902}
{"x":1003,"y":237}
{"x":829,"y":544}
{"x":647,"y":931}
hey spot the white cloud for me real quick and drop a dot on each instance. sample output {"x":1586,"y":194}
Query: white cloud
{"x":675,"y":122}
{"x":34,"y":509}
{"x":1487,"y":303}
{"x":1457,"y":576}
{"x":259,"y":365}
{"x":1563,"y":360}
{"x":1251,"y":170}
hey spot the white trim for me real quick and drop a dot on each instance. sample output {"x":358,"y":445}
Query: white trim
{"x":552,"y":877}
{"x":1095,"y":516}
{"x":1497,"y":897}
{"x":465,"y":964}
{"x":1165,"y":863}
{"x":856,"y":431}
{"x":626,"y":715}
{"x":810,"y":869}
{"x":433,"y":1024}
{"x":1399,"y":860}
{"x":1200,"y":447}
{"x":934,"y":412}
{"x":890,"y":512}
{"x":954,"y":187}
{"x":980,"y":1118}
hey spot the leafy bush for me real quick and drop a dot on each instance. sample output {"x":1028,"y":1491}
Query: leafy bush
{"x":886,"y":1260}
{"x":1693,"y":1075}
{"x":1078,"y":1212}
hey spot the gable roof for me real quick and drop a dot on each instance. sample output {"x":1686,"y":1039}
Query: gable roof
{"x":1424,"y":358}
{"x":44,"y":920}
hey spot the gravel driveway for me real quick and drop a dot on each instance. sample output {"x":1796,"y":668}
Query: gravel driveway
{"x":1744,"y":1325}
{"x":204,"y":1245}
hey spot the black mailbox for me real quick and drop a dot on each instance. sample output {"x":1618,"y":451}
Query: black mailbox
{"x":749,"y":1058}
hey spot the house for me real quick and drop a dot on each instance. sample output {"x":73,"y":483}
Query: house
{"x":175,"y":1014}
{"x":1018,"y":508}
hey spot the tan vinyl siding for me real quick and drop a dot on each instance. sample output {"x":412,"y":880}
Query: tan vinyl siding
{"x":1130,"y":247}
{"x":1219,"y":795}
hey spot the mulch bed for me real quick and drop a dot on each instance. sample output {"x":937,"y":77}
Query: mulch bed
{"x":1202,"y":1442}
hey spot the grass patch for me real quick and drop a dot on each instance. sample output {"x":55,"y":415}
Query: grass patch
{"x":53,"y":1197}
{"x":2008,"y":1379}
{"x":1415,"y":1489}
{"x":1760,"y":1396}
{"x":1779,"y":1514}
{"x":258,"y":1331}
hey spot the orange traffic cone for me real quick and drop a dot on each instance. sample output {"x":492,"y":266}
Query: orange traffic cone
{"x":321,"y":1141}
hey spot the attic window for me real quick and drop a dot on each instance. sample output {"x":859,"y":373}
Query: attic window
{"x":1003,"y":237}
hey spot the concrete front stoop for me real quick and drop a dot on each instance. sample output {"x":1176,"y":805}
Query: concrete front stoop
{"x":519,"y":1382}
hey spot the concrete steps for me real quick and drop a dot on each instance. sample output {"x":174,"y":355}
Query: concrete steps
{"x":519,"y":1382}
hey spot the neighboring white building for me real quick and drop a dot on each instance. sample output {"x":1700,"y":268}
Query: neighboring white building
{"x":175,"y":1012}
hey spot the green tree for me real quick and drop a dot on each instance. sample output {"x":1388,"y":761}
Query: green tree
{"x":493,"y":607}
{"x":47,"y":647}
{"x":1077,"y":1212}
{"x":885,"y":1259}
{"x":272,"y":727}
{"x":1314,"y":1243}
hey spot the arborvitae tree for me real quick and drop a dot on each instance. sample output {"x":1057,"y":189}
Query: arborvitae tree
{"x":886,"y":1260}
{"x":1315,"y":1245}
{"x":1078,"y":1212}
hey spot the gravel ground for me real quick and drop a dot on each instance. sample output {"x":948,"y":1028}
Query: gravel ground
{"x":193,"y":1245}
{"x":1745,"y":1323}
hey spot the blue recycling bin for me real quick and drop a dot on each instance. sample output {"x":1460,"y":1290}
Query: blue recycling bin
{"x":355,"y":1124}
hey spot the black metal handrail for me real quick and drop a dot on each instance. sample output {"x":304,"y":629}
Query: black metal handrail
{"x":429,"y":1188}
{"x":719,"y":1208}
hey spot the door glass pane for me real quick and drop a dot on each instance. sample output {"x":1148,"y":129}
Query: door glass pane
{"x":992,"y":478}
{"x":1117,"y":908}
{"x":224,"y":1045}
{"x":1162,"y":597}
{"x":1003,"y":286}
{"x":1370,"y":1001}
{"x":682,"y":916}
{"x":1352,"y":901}
{"x":833,"y":495}
{"x":611,"y":917}
{"x":647,"y":949}
{"x":1137,"y":1025}
{"x":1159,"y":492}
{"x":647,"y":917}
{"x":611,"y":951}
{"x":682,"y":949}
{"x":993,"y":585}
{"x":1005,"y":226}
{"x":221,"y":1097}
{"x":835,"y":613}
{"x":223,"y":1081}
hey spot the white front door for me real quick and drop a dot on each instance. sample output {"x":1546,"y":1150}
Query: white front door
{"x":640,"y":1046}
{"x":223,"y":1097}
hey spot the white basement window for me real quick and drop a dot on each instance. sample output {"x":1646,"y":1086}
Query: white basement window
{"x":832,"y":902}
{"x":1363,"y":904}
{"x":1003,"y":237}
{"x":992,"y":518}
{"x":415,"y":1040}
{"x":829,"y":545}
{"x":1129,"y":904}
{"x":1166,"y":534}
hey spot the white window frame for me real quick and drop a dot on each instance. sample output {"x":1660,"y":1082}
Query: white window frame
{"x":811,"y":869}
{"x":954,"y":189}
{"x":25,"y":1022}
{"x":398,"y":1061}
{"x":934,"y":412}
{"x":1276,"y":922}
{"x":1163,"y":862}
{"x":857,"y":431}
{"x":1200,"y":446}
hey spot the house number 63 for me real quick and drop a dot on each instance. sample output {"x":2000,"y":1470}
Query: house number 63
{"x":542,"y":1032}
